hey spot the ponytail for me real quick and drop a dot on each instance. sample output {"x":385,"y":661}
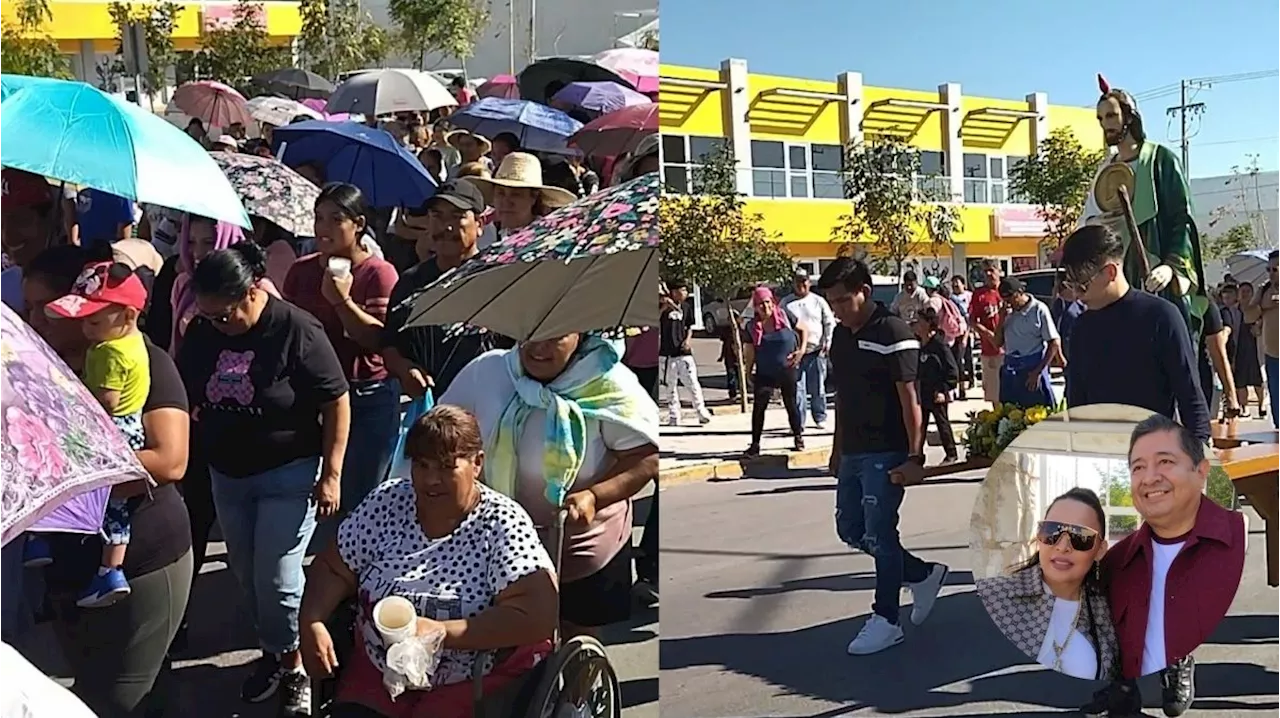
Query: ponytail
{"x":229,"y":273}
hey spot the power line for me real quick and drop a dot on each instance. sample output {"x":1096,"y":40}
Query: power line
{"x":1236,"y":142}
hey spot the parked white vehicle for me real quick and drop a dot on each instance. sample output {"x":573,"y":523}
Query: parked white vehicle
{"x":715,"y":311}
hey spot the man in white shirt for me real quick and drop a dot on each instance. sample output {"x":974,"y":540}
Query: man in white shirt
{"x":815,"y":316}
{"x":911,"y":299}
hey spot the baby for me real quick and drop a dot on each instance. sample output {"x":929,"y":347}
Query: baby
{"x":107,"y":299}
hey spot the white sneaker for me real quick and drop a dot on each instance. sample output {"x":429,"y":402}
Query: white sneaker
{"x":876,"y":635}
{"x":673,"y":421}
{"x":925,"y":593}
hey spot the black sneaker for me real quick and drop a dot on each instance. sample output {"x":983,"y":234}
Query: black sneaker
{"x":1178,"y":686}
{"x":1115,"y":700}
{"x":295,"y":694}
{"x":263,"y":682}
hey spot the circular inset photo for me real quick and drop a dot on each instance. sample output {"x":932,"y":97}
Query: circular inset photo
{"x":1107,"y":542}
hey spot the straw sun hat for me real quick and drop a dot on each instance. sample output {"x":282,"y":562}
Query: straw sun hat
{"x":453,"y":137}
{"x":520,"y":169}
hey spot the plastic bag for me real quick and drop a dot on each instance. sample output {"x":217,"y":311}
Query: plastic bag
{"x":417,"y":407}
{"x":412,"y":662}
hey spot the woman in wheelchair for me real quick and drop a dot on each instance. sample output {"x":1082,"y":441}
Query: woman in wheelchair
{"x":468,"y":558}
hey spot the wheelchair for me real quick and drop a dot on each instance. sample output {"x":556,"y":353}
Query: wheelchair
{"x":577,"y":668}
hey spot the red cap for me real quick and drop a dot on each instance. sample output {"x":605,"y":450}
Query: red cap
{"x":23,"y":189}
{"x":98,"y":288}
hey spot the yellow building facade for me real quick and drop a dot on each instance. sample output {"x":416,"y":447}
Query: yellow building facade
{"x":787,"y":136}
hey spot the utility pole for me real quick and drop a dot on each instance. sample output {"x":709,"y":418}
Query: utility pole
{"x":511,"y":36}
{"x":533,"y":31}
{"x":1184,"y":112}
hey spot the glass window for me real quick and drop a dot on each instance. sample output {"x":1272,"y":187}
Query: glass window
{"x":997,"y":193}
{"x":798,"y":154}
{"x":933,"y":163}
{"x":799,"y":185}
{"x":997,"y":167}
{"x":828,"y":185}
{"x":768,"y":183}
{"x":975,"y":191}
{"x":701,"y":147}
{"x":827,"y":158}
{"x":676,"y":178}
{"x":934,"y":188}
{"x":673,"y":149}
{"x":1013,"y":162}
{"x":975,"y":165}
{"x":767,"y":154}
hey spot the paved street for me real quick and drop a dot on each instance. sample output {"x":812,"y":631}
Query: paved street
{"x":760,"y":600}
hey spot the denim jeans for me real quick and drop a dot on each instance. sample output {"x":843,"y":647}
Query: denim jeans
{"x":867,"y":519}
{"x":1272,"y":367}
{"x":812,"y":382}
{"x":375,"y":424}
{"x":267,"y":521}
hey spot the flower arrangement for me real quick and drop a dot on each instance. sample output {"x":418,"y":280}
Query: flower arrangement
{"x":991,"y":430}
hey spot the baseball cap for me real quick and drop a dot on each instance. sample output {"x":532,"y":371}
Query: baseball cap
{"x":461,"y":194}
{"x":1010,"y":286}
{"x":930,"y":282}
{"x":100,"y":285}
{"x":227,"y":140}
{"x":801,"y":273}
{"x":24,"y":189}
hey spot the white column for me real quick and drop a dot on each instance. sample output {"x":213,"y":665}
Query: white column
{"x":733,"y":72}
{"x":1038,"y":102}
{"x":88,"y":63}
{"x":952,"y":143}
{"x":849,"y":84}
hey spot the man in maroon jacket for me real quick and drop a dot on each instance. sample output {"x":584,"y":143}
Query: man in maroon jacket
{"x":1173,"y":580}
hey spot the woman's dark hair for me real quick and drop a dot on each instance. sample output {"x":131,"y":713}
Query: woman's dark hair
{"x":929,"y":316}
{"x":58,"y":267}
{"x":562,"y":175}
{"x":197,"y":122}
{"x":229,"y":273}
{"x":348,"y":199}
{"x":1095,"y":585}
{"x":509,"y":139}
{"x":443,"y":435}
{"x":1244,"y":284}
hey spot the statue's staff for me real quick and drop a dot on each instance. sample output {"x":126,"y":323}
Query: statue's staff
{"x":1111,"y":191}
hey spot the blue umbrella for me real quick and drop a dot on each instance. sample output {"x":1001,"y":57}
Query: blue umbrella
{"x":599,"y":97}
{"x":75,"y":133}
{"x":538,"y":127}
{"x":367,"y":157}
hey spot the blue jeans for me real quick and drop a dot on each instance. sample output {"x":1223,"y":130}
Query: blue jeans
{"x":1272,"y":367}
{"x":267,"y":521}
{"x":811,"y":380}
{"x":867,"y":519}
{"x":375,"y":423}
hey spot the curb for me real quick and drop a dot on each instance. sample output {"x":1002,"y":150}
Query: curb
{"x":768,"y":465}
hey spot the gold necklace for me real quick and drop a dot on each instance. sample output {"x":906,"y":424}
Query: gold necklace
{"x":1059,"y":650}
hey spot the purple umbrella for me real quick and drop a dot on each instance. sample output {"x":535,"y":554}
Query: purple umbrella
{"x":598,"y":97}
{"x":60,"y":451}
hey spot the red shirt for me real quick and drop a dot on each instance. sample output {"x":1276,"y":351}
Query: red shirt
{"x":1198,"y":590}
{"x":984,"y":309}
{"x":372,"y":281}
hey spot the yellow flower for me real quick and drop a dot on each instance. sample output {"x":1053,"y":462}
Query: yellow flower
{"x":1036,"y":414}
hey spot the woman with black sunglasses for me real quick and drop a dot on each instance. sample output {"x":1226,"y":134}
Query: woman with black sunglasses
{"x":1054,"y":607}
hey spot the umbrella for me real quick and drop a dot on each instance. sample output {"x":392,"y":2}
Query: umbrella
{"x":636,"y":65}
{"x":216,"y":104}
{"x":1250,"y":266}
{"x":538,"y":127}
{"x":278,"y":111}
{"x":61,"y":453}
{"x":294,"y":82}
{"x":588,"y":266}
{"x":78,"y":134}
{"x":542,"y":79}
{"x":504,"y":86}
{"x":383,"y":92}
{"x":272,"y":191}
{"x":617,"y":132}
{"x":599,"y":97}
{"x":369,"y":158}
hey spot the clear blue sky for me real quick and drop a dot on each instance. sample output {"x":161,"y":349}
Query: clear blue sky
{"x":1009,"y":48}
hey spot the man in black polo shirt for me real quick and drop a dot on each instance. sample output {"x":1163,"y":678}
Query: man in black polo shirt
{"x":874,"y":357}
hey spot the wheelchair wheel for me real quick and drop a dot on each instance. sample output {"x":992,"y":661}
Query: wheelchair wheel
{"x":578,"y":682}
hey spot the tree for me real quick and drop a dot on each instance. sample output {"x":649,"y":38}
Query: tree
{"x":649,"y":41}
{"x":158,"y":21}
{"x":1057,"y":179}
{"x":1239,"y":238}
{"x":889,"y":220}
{"x":29,"y":50}
{"x":338,"y":37}
{"x":709,"y":239}
{"x":449,"y":27}
{"x":236,"y":53}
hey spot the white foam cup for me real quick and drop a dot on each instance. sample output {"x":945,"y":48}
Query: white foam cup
{"x":339,"y":266}
{"x":395,"y":619}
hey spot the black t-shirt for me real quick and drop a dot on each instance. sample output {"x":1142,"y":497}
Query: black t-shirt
{"x":866,"y":367}
{"x":257,"y":396}
{"x":159,"y":326}
{"x":1212,"y":325}
{"x":675,"y":325}
{"x":161,"y":529}
{"x":439,"y":351}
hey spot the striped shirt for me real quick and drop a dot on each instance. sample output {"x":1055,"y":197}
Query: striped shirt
{"x":867,"y":366}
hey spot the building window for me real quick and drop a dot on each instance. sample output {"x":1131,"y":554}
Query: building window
{"x":975,"y":178}
{"x":827,"y":165}
{"x":780,"y":170}
{"x":986,"y":178}
{"x":932,"y":180}
{"x":1010,"y":164}
{"x":681,"y":155}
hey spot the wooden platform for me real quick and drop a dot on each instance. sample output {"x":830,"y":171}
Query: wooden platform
{"x":1229,"y":435}
{"x":1255,"y":471}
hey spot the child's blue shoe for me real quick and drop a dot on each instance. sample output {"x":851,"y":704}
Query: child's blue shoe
{"x":36,"y":552}
{"x":104,"y":590}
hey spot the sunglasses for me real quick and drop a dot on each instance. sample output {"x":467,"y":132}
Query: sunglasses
{"x":1050,"y":533}
{"x":224,"y":317}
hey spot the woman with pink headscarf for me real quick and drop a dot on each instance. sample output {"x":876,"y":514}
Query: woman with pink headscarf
{"x":778,"y":339}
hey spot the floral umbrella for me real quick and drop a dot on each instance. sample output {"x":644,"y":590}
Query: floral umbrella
{"x":60,"y":451}
{"x":272,"y":191}
{"x":589,"y":266}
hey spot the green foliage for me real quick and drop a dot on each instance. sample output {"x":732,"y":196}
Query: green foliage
{"x":889,"y":222}
{"x":649,"y":41}
{"x":234,"y":54}
{"x":27,"y":49}
{"x":1239,"y":238}
{"x":158,"y":21}
{"x":1115,"y":484}
{"x":338,"y":37}
{"x":1057,"y":180}
{"x":449,"y":27}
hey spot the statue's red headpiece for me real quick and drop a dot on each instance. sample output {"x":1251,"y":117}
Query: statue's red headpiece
{"x":1103,"y":86}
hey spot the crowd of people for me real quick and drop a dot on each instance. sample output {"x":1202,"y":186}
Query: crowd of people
{"x":264,"y":395}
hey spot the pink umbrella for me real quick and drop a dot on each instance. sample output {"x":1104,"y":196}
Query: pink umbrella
{"x":315,"y":103}
{"x":214,"y":103}
{"x":504,"y":86}
{"x":636,"y":65}
{"x":617,"y":132}
{"x":318,"y":105}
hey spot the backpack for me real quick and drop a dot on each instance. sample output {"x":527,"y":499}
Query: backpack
{"x":950,"y":322}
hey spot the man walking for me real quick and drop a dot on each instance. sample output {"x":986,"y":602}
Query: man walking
{"x":1031,"y":345}
{"x":984,"y":319}
{"x":815,"y":317}
{"x":878,"y":434}
{"x":678,"y":366}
